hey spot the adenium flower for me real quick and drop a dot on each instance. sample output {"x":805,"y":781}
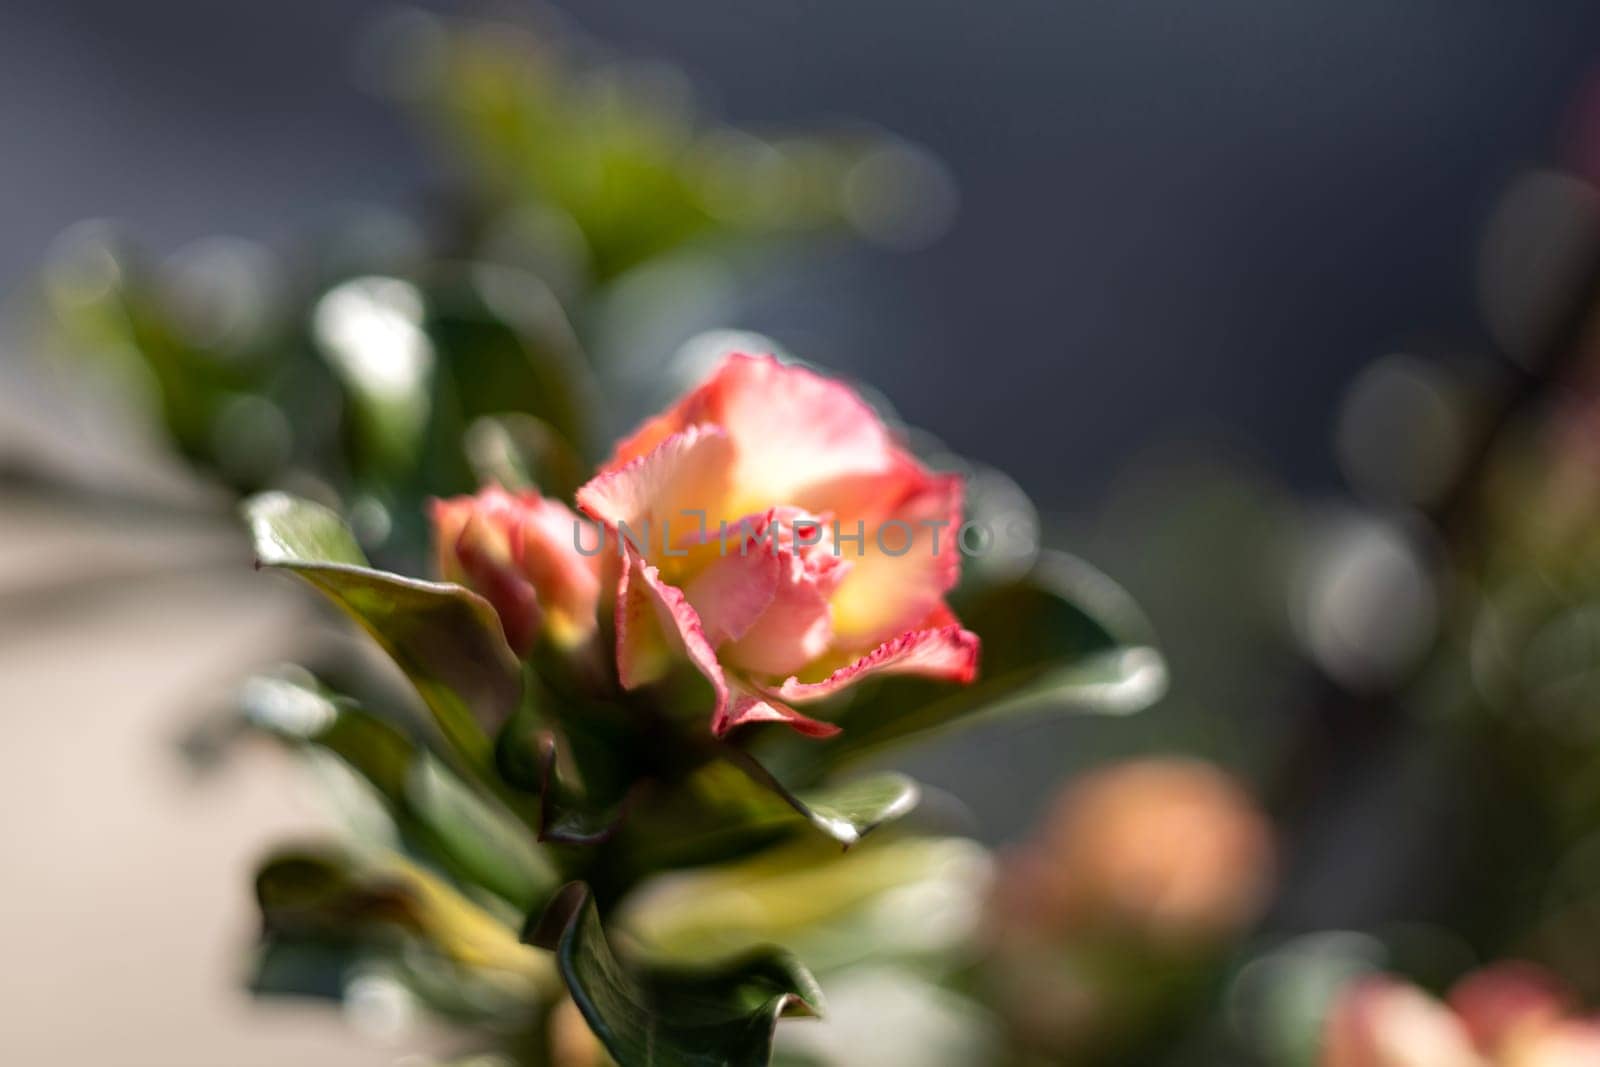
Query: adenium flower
{"x":517,"y":551}
{"x":1507,"y":1015}
{"x":775,"y":535}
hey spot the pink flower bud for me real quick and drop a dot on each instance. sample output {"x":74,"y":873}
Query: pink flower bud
{"x":519,"y":553}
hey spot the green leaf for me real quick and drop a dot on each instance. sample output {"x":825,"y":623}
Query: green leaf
{"x":484,"y":843}
{"x":732,"y":806}
{"x":721,"y":1016}
{"x":1062,"y":638}
{"x":291,"y":704}
{"x":1062,"y":609}
{"x":288,"y":530}
{"x":845,"y":811}
{"x":505,"y":345}
{"x":833,"y":908}
{"x":285,"y":967}
{"x":446,"y":639}
{"x":565,"y":815}
{"x":373,"y":897}
{"x":467,"y":832}
{"x":528,"y":756}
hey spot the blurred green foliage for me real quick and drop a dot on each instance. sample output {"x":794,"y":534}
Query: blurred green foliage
{"x":355,"y":370}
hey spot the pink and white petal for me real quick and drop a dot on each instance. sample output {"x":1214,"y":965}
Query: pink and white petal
{"x":688,"y":471}
{"x":793,"y":531}
{"x":795,"y":431}
{"x":950,"y":653}
{"x":556,"y":523}
{"x":483,"y":559}
{"x":889,"y":592}
{"x":650,"y":610}
{"x":747,"y":708}
{"x":567,"y":581}
{"x":733,"y":591}
{"x":756,"y":528}
{"x":656,"y":622}
{"x":795,"y":630}
{"x":873,"y":495}
{"x":644,"y":651}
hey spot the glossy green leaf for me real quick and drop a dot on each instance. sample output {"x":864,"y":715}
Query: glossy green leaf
{"x":446,"y":639}
{"x":721,"y":1016}
{"x":291,"y":704}
{"x":729,"y":807}
{"x":1063,"y":638}
{"x":833,"y":908}
{"x":528,"y":756}
{"x":845,"y":811}
{"x":467,"y":832}
{"x":483,"y":842}
{"x":566,"y":816}
{"x":1061,"y":610}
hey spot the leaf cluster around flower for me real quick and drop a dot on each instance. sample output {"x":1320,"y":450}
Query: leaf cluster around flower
{"x":569,"y":692}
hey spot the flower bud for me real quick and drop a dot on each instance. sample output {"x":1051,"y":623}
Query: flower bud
{"x":518,"y":552}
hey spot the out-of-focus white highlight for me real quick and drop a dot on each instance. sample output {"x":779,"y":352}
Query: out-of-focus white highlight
{"x":371,"y":329}
{"x":1363,"y":602}
{"x":286,"y":703}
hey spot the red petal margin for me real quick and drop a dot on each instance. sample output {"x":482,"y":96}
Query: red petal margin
{"x":949,"y":652}
{"x":687,"y":471}
{"x":747,"y":708}
{"x":641,"y":585}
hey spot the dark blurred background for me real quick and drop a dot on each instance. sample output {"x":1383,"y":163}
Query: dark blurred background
{"x":1174,"y":217}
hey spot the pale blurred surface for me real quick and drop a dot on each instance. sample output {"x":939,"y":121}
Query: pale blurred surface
{"x":127,"y":909}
